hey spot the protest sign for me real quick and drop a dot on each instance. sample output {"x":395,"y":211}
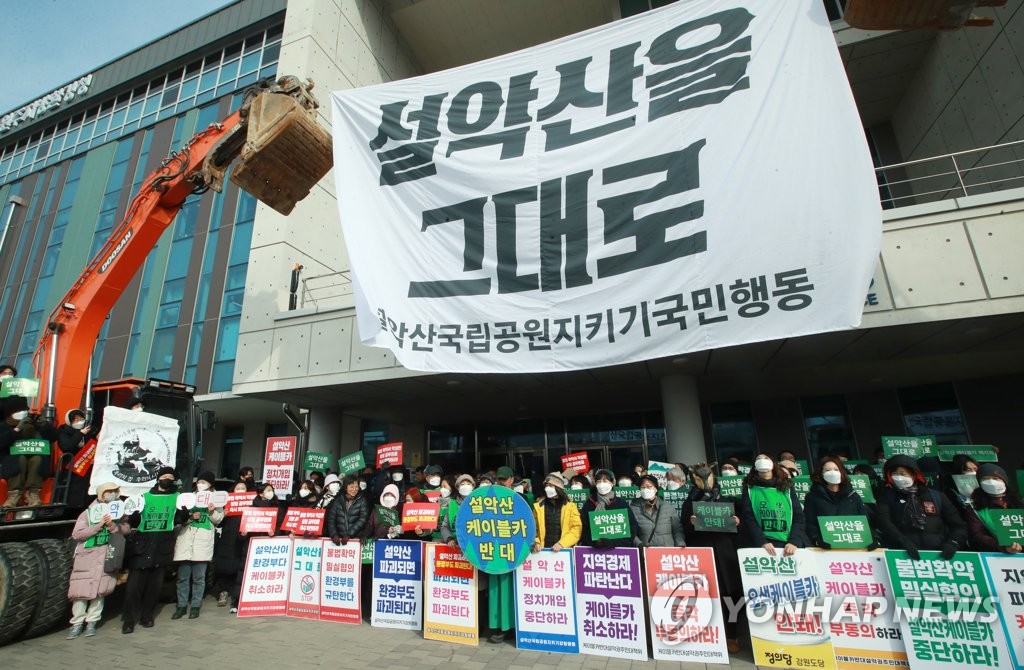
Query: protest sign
{"x":133,"y":504}
{"x":258,"y":520}
{"x":546,"y":604}
{"x":339,"y":582}
{"x":803,"y":467}
{"x":862,"y":485}
{"x":279,"y":464}
{"x":33,"y":447}
{"x":425,"y":516}
{"x":578,"y":496}
{"x":675,"y":498}
{"x":915,"y":447}
{"x":982,"y":453}
{"x":264,"y":589}
{"x":450,"y":613}
{"x":609,"y":603}
{"x":237,"y":502}
{"x":25,"y":387}
{"x":302,"y":520}
{"x":627,"y":493}
{"x":304,"y":582}
{"x":390,"y":453}
{"x":966,"y":484}
{"x":658,"y":470}
{"x":84,"y":458}
{"x":366,"y":555}
{"x":860,"y":610}
{"x":1006,"y":581}
{"x":687,"y":622}
{"x":610,"y":524}
{"x":785,"y":609}
{"x":131,"y":449}
{"x":158,"y":513}
{"x":946,"y":611}
{"x":351,"y":463}
{"x":802,"y":486}
{"x":731,"y":487}
{"x":580,"y":462}
{"x":96,"y":511}
{"x":845,"y":532}
{"x":316,"y":460}
{"x":1007,"y":525}
{"x":716,"y":517}
{"x":495,"y":528}
{"x":218,"y":499}
{"x":186,"y":500}
{"x":397,"y":584}
{"x":432,"y":496}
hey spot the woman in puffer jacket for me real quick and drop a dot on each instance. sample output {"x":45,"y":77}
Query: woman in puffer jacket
{"x":193,"y":550}
{"x":346,"y":518}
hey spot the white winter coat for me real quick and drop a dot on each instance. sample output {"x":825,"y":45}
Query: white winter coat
{"x":196,"y":544}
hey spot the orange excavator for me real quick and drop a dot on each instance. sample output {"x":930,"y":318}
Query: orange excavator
{"x":913,"y":14}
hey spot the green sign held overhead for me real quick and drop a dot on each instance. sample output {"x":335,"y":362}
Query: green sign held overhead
{"x":731,"y":487}
{"x":1007,"y":525}
{"x":715,"y":517}
{"x":915,"y":447}
{"x":351,"y":463}
{"x":845,"y":532}
{"x":316,"y":461}
{"x":983,"y":453}
{"x":862,"y":485}
{"x":367,"y":553}
{"x":30,"y":448}
{"x":802,"y":486}
{"x":611,"y":524}
{"x":23,"y":386}
{"x":675,"y":498}
{"x":578,"y":496}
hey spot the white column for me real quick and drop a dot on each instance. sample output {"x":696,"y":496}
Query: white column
{"x":684,"y":430}
{"x":325,"y":433}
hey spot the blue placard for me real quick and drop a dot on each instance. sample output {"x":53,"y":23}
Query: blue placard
{"x":397,"y":584}
{"x":546,"y":603}
{"x":495,"y":529}
{"x":399,"y":560}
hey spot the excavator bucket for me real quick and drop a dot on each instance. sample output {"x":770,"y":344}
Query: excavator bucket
{"x":901,"y":15}
{"x":286,"y":152}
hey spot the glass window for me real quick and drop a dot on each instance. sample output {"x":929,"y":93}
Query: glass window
{"x":374,"y":434}
{"x":231,"y":455}
{"x":162,"y":352}
{"x":178,"y":260}
{"x":732,"y":430}
{"x":511,"y":434}
{"x":168,"y":315}
{"x":605,"y":429}
{"x":827,"y":428}
{"x":232,"y":302}
{"x":227,"y":339}
{"x":271,"y":53}
{"x":934,"y":410}
{"x":220,"y":379}
{"x":240,"y":242}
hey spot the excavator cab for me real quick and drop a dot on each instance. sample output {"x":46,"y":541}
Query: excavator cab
{"x":902,"y":15}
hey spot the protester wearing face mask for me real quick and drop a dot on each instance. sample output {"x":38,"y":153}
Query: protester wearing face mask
{"x":729,"y":470}
{"x":347,"y":517}
{"x":266,"y":496}
{"x":306,"y":496}
{"x":578,"y":483}
{"x":770,"y":510}
{"x":229,"y":552}
{"x":72,"y":437}
{"x":831,"y":494}
{"x":993,"y":494}
{"x":150,"y":552}
{"x":24,"y":473}
{"x":675,"y":478}
{"x":602,"y":497}
{"x":332,"y":487}
{"x":193,"y":550}
{"x":389,"y":512}
{"x":317,"y":478}
{"x":432,"y":476}
{"x":90,"y":583}
{"x":626,"y":481}
{"x":464,"y":485}
{"x":558,"y":519}
{"x":914,"y":517}
{"x":655,"y":522}
{"x":962,"y":464}
{"x":8,"y":371}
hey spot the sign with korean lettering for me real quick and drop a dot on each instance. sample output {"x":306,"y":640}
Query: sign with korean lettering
{"x":158,"y":513}
{"x":966,"y":484}
{"x":687,"y":621}
{"x":1006,"y":579}
{"x":861,"y":610}
{"x":546,"y":603}
{"x":627,"y":492}
{"x":580,"y":462}
{"x":302,"y":520}
{"x":351,"y":463}
{"x":238,"y":502}
{"x":983,"y":453}
{"x":609,"y":603}
{"x":716,"y":517}
{"x":84,"y":458}
{"x":1007,"y":525}
{"x":21,"y":386}
{"x":578,"y":496}
{"x":131,"y":448}
{"x":915,"y":447}
{"x":495,"y":528}
{"x":786,"y":610}
{"x":397,"y":584}
{"x":367,"y":551}
{"x":845,"y":532}
{"x":316,"y":460}
{"x":258,"y":520}
{"x":610,"y":524}
{"x":862,"y":485}
{"x":390,"y":453}
{"x":658,"y":470}
{"x":304,"y":582}
{"x":946,"y":611}
{"x":340,"y":582}
{"x":420,"y":515}
{"x":648,"y":159}
{"x":279,"y":464}
{"x":731,"y":487}
{"x":264,"y":589}
{"x":450,"y":611}
{"x":802,"y":486}
{"x":33,"y":447}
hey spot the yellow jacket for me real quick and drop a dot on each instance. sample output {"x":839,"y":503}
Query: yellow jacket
{"x":570,"y":522}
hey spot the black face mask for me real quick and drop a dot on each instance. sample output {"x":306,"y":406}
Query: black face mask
{"x":166,"y":484}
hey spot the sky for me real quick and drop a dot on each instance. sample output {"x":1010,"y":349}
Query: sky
{"x":45,"y":44}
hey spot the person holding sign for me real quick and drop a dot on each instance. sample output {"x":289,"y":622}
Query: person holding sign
{"x":831,"y":494}
{"x":558,"y":520}
{"x":655,"y":522}
{"x":347,"y":517}
{"x":24,"y":440}
{"x":464,"y":486}
{"x":72,"y":437}
{"x":90,"y":581}
{"x":962,"y":464}
{"x":229,"y":552}
{"x":193,"y":549}
{"x":913,"y":516}
{"x":604,"y":499}
{"x":983,"y":521}
{"x":306,"y":496}
{"x":770,"y":510}
{"x":332,"y":487}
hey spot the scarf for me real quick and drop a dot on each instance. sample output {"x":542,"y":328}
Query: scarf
{"x":913,"y":511}
{"x":601,"y":502}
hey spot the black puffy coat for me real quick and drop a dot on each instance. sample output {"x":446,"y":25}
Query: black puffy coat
{"x":822,"y":502}
{"x":347,"y":518}
{"x":727,"y":563}
{"x":10,"y":465}
{"x":591,"y":506}
{"x":942,"y":523}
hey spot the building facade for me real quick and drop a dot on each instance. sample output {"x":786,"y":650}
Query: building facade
{"x":940,"y":350}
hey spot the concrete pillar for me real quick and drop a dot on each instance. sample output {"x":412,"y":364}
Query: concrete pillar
{"x":684,"y":432}
{"x":325,"y":433}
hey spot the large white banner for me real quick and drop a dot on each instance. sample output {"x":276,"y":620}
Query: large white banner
{"x":689,"y":178}
{"x":131,"y":448}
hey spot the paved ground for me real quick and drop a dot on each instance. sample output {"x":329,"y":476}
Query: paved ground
{"x":219,"y":640}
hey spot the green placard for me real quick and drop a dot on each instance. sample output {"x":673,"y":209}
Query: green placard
{"x":845,"y":532}
{"x":851,"y":464}
{"x":915,"y":447}
{"x":34,"y":447}
{"x":387,"y":515}
{"x":158,"y":514}
{"x":367,"y":555}
{"x":579,"y":496}
{"x":611,"y":524}
{"x":983,"y":453}
{"x":862,"y":485}
{"x":316,"y":461}
{"x":802,"y":486}
{"x":716,"y":517}
{"x":1006,"y":524}
{"x":966,"y":484}
{"x":23,"y":386}
{"x":803,"y":467}
{"x":731,"y":487}
{"x":351,"y":463}
{"x":743,"y":469}
{"x":675,"y":498}
{"x":627,"y":492}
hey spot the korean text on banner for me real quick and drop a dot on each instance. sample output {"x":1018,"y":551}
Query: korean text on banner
{"x":265,"y":582}
{"x":495,"y":528}
{"x":33,"y":447}
{"x":845,"y":532}
{"x":915,"y":447}
{"x":669,"y":177}
{"x":612,"y":524}
{"x":238,"y":502}
{"x":546,"y":603}
{"x":786,"y":610}
{"x":390,"y":453}
{"x":450,"y":610}
{"x":946,"y":611}
{"x":580,"y":462}
{"x":424,"y":516}
{"x":659,"y":470}
{"x":316,"y":460}
{"x":84,"y":459}
{"x":300,"y":520}
{"x":25,"y":387}
{"x":131,"y":448}
{"x":397,"y":584}
{"x":304,"y":583}
{"x":279,"y":464}
{"x":715,"y":517}
{"x":351,"y":463}
{"x":339,"y":586}
{"x":686,"y":578}
{"x":609,"y":603}
{"x":861,"y":610}
{"x":1006,"y":579}
{"x":258,"y":520}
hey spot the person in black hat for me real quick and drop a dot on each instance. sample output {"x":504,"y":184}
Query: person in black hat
{"x":193,"y":549}
{"x":914,"y":517}
{"x":8,"y":371}
{"x":602,"y":498}
{"x":23,"y":472}
{"x":72,"y":436}
{"x":432,"y":476}
{"x":993,"y":494}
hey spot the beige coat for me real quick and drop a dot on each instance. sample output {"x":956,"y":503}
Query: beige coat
{"x":196,"y":544}
{"x":88,"y":580}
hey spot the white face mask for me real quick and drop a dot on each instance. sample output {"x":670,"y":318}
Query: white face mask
{"x":672,"y":485}
{"x":362,"y":486}
{"x":604,"y":488}
{"x":993,"y":487}
{"x":902,"y":482}
{"x":518,"y":488}
{"x":202,"y":486}
{"x":303,"y":493}
{"x":397,"y":476}
{"x":550,"y":491}
{"x":576,"y":487}
{"x":388,"y":501}
{"x":648,"y":494}
{"x":625,"y":482}
{"x":832,"y":476}
{"x":78,"y":425}
{"x":434,"y":481}
{"x":446,"y":493}
{"x":763,"y":465}
{"x":728,"y":473}
{"x":268,"y":495}
{"x":241,"y":489}
{"x":465,"y":489}
{"x":110,"y":497}
{"x":18,"y":416}
{"x":334,"y":487}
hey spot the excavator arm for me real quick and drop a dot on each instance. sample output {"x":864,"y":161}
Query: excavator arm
{"x":282,"y":152}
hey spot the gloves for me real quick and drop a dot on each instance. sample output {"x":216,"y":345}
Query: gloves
{"x":26,"y":425}
{"x":822,"y":544}
{"x":949,"y":549}
{"x":336,"y":539}
{"x":871,"y":547}
{"x":911,"y":550}
{"x":344,"y":539}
